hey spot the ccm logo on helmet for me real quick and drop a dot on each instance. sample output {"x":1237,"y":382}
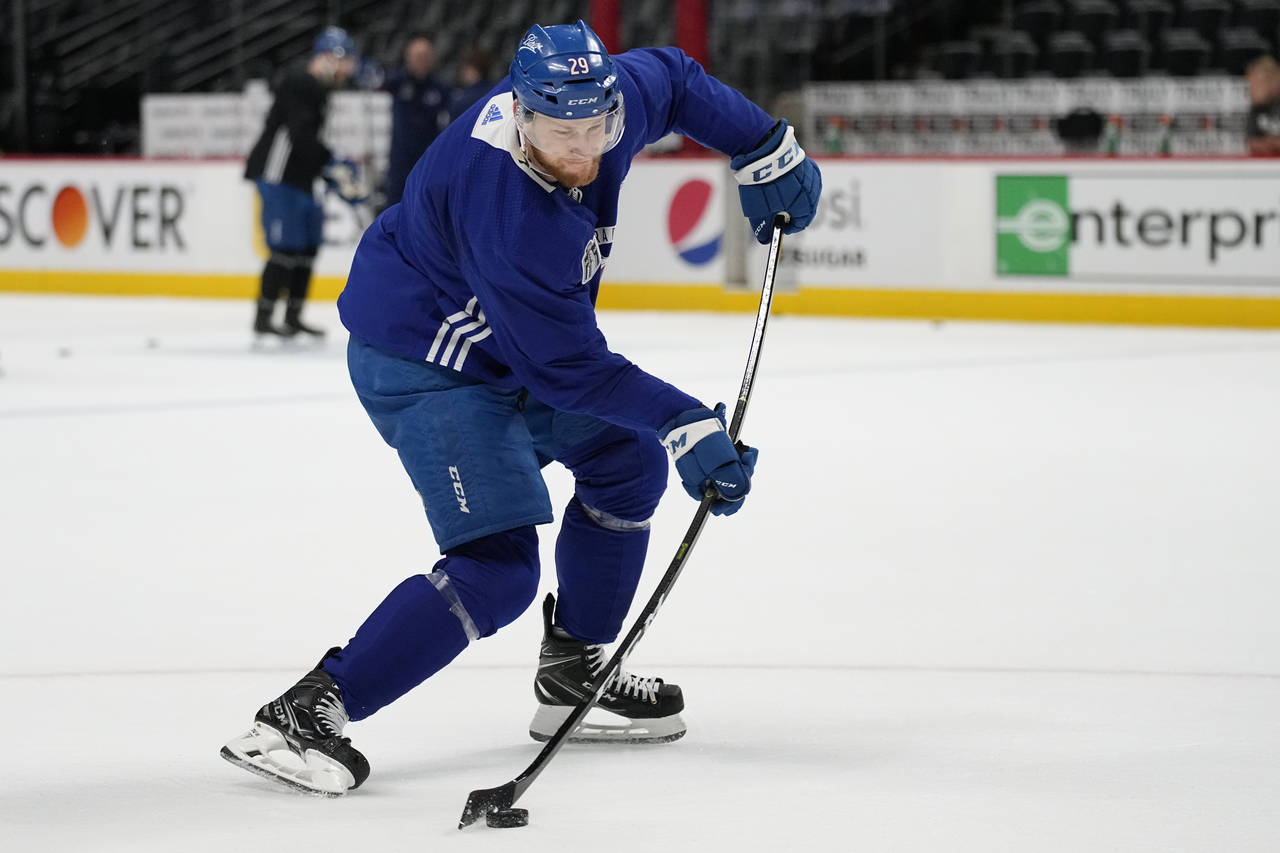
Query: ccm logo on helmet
{"x":575,"y":101}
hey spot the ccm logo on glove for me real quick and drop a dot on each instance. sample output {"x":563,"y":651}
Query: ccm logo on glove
{"x":778,"y":162}
{"x":777,"y":178}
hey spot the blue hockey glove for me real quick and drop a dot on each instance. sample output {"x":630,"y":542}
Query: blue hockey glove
{"x":776,"y":178}
{"x":705,"y":456}
{"x":343,"y":177}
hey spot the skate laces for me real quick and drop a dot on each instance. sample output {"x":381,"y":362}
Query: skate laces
{"x":626,"y":683}
{"x":331,"y":716}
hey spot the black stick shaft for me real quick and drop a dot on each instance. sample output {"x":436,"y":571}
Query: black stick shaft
{"x":490,"y":799}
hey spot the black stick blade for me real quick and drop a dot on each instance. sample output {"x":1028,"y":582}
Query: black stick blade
{"x":486,"y":800}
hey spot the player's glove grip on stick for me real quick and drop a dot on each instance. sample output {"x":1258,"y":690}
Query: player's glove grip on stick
{"x":343,"y":177}
{"x":705,"y":457}
{"x":776,"y":178}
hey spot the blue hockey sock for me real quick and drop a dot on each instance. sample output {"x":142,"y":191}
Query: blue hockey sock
{"x":428,"y":620}
{"x":410,"y":636}
{"x":599,"y":559}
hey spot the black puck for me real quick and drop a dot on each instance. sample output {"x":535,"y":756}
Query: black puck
{"x":507,"y":818}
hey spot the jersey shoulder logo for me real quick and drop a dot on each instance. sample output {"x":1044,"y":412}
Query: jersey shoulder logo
{"x":493,"y":114}
{"x":591,"y":260}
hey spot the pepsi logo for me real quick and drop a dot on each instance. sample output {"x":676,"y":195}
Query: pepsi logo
{"x":693,"y":223}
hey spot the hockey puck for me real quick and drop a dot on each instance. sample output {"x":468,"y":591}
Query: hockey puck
{"x":507,"y":818}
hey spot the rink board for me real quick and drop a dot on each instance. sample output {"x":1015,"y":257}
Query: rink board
{"x":1186,"y":242}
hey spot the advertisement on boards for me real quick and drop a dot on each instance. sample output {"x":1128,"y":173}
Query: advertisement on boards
{"x":1160,"y":226}
{"x":62,"y":214}
{"x":671,"y":220}
{"x":148,"y":217}
{"x":878,"y":224}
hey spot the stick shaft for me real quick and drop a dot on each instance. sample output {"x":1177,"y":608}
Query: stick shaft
{"x":524,"y":780}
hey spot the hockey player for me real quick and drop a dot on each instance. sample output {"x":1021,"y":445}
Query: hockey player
{"x":475,"y":351}
{"x":284,"y":163}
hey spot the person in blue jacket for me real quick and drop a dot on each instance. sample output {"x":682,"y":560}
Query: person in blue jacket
{"x":472,"y":82}
{"x":419,"y":110}
{"x":475,"y":351}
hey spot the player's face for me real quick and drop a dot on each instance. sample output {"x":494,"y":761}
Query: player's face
{"x":333,"y":69}
{"x":345,"y":67}
{"x":569,"y":149}
{"x":567,"y":171}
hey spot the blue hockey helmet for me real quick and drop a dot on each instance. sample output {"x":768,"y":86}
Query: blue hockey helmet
{"x":565,"y":72}
{"x":335,"y":40}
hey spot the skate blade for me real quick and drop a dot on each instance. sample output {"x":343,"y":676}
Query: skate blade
{"x":265,"y":752}
{"x":548,"y":719}
{"x":277,"y":342}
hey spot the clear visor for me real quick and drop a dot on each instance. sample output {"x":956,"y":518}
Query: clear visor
{"x":572,"y":138}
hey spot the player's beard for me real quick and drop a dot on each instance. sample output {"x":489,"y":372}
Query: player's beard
{"x":567,"y":173}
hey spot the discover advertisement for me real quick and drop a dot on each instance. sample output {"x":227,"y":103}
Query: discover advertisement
{"x":186,"y":218}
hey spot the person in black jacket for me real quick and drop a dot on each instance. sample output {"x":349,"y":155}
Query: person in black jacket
{"x":284,"y":163}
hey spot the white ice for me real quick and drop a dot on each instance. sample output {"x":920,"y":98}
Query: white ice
{"x":998,"y":588}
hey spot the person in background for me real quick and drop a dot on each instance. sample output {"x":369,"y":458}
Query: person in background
{"x":284,"y":163}
{"x":1263,"y":76}
{"x":473,"y":82}
{"x":419,"y":111}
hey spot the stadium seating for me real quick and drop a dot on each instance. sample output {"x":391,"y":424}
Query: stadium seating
{"x":1070,"y":54}
{"x":1206,"y":17}
{"x":85,"y":59}
{"x":1238,"y":47}
{"x":1092,"y":18}
{"x":1038,"y":18}
{"x":958,"y":60}
{"x":1264,"y":17}
{"x":1149,"y":17}
{"x":1012,"y":55}
{"x":1186,"y":52}
{"x":1126,"y":53}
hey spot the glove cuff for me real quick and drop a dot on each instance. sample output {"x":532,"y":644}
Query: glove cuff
{"x":681,"y":439}
{"x":773,"y":164}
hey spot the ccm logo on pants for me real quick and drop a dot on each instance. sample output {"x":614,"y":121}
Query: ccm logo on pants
{"x":457,"y":490}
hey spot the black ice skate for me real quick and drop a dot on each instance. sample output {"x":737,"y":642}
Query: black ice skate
{"x":264,"y":330}
{"x":297,"y":740}
{"x":300,"y":330}
{"x":648,"y":708}
{"x":293,"y":325}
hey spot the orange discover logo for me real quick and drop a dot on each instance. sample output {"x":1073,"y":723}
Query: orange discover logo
{"x":70,"y":217}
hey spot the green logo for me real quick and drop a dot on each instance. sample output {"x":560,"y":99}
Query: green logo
{"x":1033,"y":225}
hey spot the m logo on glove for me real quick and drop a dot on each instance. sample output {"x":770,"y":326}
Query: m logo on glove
{"x":705,"y":457}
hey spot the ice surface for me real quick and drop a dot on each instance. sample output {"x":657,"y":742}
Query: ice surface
{"x":998,"y":588}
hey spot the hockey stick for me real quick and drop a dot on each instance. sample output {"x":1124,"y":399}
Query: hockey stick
{"x":485,"y":800}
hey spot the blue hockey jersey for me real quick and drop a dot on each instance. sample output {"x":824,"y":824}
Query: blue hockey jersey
{"x":486,"y":268}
